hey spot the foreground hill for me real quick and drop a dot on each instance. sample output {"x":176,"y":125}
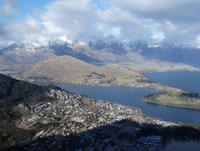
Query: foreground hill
{"x":66,"y":69}
{"x":12,"y":93}
{"x":67,"y":121}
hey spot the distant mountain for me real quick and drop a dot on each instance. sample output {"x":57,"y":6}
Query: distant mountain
{"x":163,"y":52}
{"x":172,"y":53}
{"x":112,"y":45}
{"x":18,"y":58}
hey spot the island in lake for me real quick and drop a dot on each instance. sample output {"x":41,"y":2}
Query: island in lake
{"x":47,"y":117}
{"x":176,"y":99}
{"x":66,"y":69}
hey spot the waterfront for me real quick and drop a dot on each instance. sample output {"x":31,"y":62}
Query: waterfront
{"x":134,"y":97}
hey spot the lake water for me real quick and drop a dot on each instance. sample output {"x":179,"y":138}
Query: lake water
{"x":188,"y":81}
{"x":134,"y":96}
{"x":183,"y":146}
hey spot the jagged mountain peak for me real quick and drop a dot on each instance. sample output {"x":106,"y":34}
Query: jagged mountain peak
{"x":100,"y":51}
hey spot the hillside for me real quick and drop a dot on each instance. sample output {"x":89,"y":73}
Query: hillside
{"x":14,"y":91}
{"x":15,"y":98}
{"x":66,"y":69}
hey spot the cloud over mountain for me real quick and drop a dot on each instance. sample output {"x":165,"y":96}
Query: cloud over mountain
{"x":149,"y":20}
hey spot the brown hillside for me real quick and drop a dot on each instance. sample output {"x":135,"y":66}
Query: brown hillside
{"x":67,"y":69}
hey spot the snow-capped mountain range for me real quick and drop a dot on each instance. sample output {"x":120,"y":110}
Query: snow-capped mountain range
{"x":20,"y":57}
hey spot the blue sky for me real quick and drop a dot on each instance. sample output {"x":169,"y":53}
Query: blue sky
{"x":26,"y":7}
{"x":154,"y":21}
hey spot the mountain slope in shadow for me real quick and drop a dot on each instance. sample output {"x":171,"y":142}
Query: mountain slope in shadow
{"x":123,"y":135}
{"x":62,"y":120}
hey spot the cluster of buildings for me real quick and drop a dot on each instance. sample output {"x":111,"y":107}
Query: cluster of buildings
{"x":94,"y":123}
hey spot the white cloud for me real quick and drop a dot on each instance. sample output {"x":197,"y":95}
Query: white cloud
{"x":158,"y":37}
{"x":28,"y":30}
{"x":131,"y":27}
{"x":174,"y":10}
{"x":8,"y":8}
{"x":178,"y":20}
{"x":170,"y":27}
{"x":149,"y":20}
{"x":74,"y":17}
{"x":64,"y":38}
{"x":197,"y":41}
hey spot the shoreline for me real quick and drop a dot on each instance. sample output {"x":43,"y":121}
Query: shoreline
{"x":144,"y":83}
{"x":171,"y":105}
{"x":181,"y":100}
{"x":127,"y":121}
{"x":60,"y":117}
{"x":153,"y":86}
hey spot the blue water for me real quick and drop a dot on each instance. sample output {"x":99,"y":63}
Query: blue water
{"x":134,"y":97}
{"x":183,"y":146}
{"x":186,"y":80}
{"x":189,"y":81}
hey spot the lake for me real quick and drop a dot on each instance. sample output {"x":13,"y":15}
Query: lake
{"x":134,"y":96}
{"x":188,"y":81}
{"x":183,"y":146}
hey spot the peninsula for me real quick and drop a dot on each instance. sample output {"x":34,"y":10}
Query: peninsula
{"x":176,"y":99}
{"x":69,"y":70}
{"x":49,"y":118}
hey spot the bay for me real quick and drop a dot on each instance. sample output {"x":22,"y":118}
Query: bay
{"x":134,"y":97}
